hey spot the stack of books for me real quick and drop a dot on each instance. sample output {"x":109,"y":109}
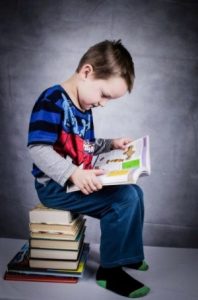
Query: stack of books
{"x":56,"y":251}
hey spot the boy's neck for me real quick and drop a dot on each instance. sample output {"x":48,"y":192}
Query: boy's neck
{"x":70,"y":86}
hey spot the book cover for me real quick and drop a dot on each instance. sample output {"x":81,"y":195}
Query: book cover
{"x":19,"y":264}
{"x":42,"y":214}
{"x":38,"y":278}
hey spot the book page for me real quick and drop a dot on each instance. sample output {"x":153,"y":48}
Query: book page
{"x":121,"y":159}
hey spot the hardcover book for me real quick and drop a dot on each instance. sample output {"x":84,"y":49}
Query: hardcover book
{"x":123,"y":166}
{"x":56,"y":263}
{"x":57,"y":244}
{"x":65,"y":254}
{"x":42,"y":214}
{"x":57,"y":228}
{"x":69,"y":236}
{"x":39,"y":278}
{"x":19,"y":264}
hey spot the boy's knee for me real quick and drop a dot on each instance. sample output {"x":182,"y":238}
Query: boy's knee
{"x":138,"y":190}
{"x":129,"y":196}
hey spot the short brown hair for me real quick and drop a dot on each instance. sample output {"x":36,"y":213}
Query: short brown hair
{"x":110,"y":58}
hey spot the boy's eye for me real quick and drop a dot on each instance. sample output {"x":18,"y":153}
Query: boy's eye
{"x":104,"y":96}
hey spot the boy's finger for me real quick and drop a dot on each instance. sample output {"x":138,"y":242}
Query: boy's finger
{"x":98,"y":172}
{"x":92,"y":186}
{"x":86,"y":190}
{"x":97,"y":184}
{"x":127,"y":141}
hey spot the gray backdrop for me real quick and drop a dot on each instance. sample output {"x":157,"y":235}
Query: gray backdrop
{"x":41,"y":43}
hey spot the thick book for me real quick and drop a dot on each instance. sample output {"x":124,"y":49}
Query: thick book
{"x":55,"y":253}
{"x":57,"y":244}
{"x":19,"y":264}
{"x":123,"y":166}
{"x":42,"y":214}
{"x":56,"y":263}
{"x":39,"y":278}
{"x":57,"y":228}
{"x":69,"y":236}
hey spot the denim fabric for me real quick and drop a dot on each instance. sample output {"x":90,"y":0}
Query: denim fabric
{"x":120,"y":210}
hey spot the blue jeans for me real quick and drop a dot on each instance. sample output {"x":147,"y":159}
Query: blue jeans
{"x":120,"y":210}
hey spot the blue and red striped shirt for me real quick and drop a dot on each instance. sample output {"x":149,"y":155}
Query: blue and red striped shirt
{"x":55,"y":120}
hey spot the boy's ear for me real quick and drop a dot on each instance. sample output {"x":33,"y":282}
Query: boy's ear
{"x":86,"y":71}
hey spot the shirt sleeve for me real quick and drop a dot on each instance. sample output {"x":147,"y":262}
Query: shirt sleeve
{"x":51,"y":163}
{"x":102,"y":145}
{"x":45,"y":122}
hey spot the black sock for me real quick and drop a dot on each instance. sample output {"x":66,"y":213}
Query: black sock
{"x":141,"y":266}
{"x":120,"y":282}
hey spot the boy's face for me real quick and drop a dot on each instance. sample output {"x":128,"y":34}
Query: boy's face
{"x":97,"y":92}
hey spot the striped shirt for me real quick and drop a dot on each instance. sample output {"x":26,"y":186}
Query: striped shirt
{"x":56,"y":121}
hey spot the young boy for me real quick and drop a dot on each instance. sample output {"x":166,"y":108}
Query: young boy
{"x":61,"y":142}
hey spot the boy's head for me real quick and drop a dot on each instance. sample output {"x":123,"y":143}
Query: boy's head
{"x":105,"y":72}
{"x":109,"y":59}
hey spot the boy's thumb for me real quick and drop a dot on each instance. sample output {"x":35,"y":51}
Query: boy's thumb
{"x":98,"y":172}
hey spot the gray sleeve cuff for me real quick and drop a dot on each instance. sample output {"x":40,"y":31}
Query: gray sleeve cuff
{"x":51,"y":163}
{"x":102,"y":145}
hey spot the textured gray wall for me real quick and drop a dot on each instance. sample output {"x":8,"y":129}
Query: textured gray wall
{"x":40,"y":45}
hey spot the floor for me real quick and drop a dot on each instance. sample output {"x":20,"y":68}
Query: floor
{"x":173,"y":275}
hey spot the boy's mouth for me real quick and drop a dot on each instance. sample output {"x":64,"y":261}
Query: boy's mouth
{"x":95,"y":105}
{"x":87,"y":107}
{"x":91,"y":106}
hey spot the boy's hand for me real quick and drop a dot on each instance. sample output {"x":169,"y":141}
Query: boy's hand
{"x":86,"y":180}
{"x":121,"y":143}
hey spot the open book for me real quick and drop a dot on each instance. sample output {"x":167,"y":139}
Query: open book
{"x":123,"y":167}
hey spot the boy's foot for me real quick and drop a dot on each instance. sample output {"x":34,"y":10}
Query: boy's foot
{"x":141,"y":266}
{"x":120,"y":282}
